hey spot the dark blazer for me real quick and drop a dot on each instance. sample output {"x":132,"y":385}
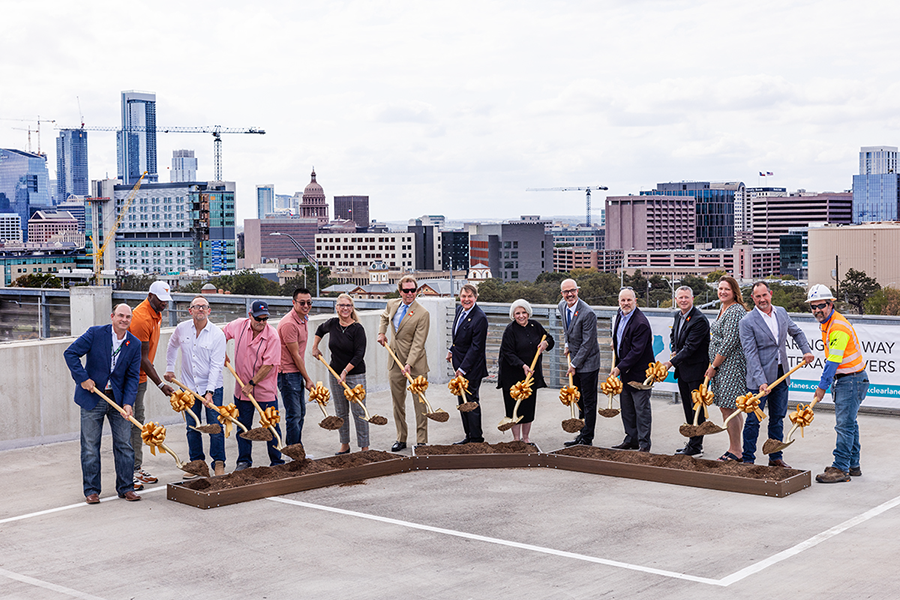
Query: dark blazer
{"x":691,"y":345}
{"x":96,"y":343}
{"x":581,"y":336}
{"x":517,"y":348}
{"x":636,"y":352}
{"x":467,"y":351}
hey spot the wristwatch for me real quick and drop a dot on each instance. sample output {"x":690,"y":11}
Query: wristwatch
{"x":251,"y":382}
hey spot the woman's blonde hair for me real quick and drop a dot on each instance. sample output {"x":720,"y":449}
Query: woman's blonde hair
{"x":353,"y":314}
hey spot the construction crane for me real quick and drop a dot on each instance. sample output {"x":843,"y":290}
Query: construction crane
{"x":215,"y":130}
{"x":587,"y":192}
{"x":39,"y":120}
{"x":111,"y":234}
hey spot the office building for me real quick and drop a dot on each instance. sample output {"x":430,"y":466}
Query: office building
{"x":566,"y":258}
{"x":744,"y":262}
{"x":71,"y":164}
{"x":184,"y":166}
{"x":136,"y":141}
{"x":313,"y":204}
{"x":44,"y":224}
{"x":75,"y":207}
{"x":793,"y":252}
{"x":349,"y":252}
{"x":10,"y":228}
{"x":743,"y":208}
{"x":650,"y":222}
{"x":513,"y":251}
{"x":876,"y":189}
{"x":261,"y":246}
{"x":876,"y":160}
{"x":24,"y":183}
{"x":870,"y":247}
{"x":438,"y":221}
{"x":579,"y":236}
{"x":352,"y":208}
{"x":714,"y":208}
{"x":265,"y":200}
{"x":774,"y":216}
{"x":454,"y":250}
{"x":428,"y":247}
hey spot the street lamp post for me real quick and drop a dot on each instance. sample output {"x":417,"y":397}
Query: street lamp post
{"x":305,"y":255}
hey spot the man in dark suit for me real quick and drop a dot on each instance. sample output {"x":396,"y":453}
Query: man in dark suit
{"x":633,"y":347}
{"x":113,"y":364}
{"x":690,"y":357}
{"x":580,"y":327}
{"x":764,"y":331}
{"x":466,"y":355}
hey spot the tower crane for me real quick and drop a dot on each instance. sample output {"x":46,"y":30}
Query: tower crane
{"x":111,"y":234}
{"x":587,"y":193}
{"x":39,"y":120}
{"x":215,"y":130}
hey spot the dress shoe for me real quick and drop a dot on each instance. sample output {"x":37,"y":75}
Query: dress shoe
{"x":647,"y":449}
{"x":779,"y":463}
{"x":574,"y":442}
{"x":130,"y":496}
{"x":347,"y":451}
{"x":688,"y":451}
{"x":92,"y":499}
{"x":855,"y":472}
{"x":462,"y":441}
{"x":421,"y":445}
{"x":625,"y":446}
{"x":241,"y":466}
{"x":398,"y":446}
{"x":476,"y":440}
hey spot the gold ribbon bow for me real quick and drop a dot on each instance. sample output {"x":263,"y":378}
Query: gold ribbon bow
{"x":702,"y":396}
{"x":656,"y":372}
{"x":612,"y":386}
{"x":319,"y":394}
{"x":749,"y":403}
{"x":154,"y":435}
{"x":181,"y":400}
{"x":459,"y":386}
{"x":803,"y":416}
{"x":269,"y":417}
{"x":418,"y":385}
{"x":521,"y":390}
{"x":355,"y":394}
{"x":569,"y":395}
{"x":229,"y":410}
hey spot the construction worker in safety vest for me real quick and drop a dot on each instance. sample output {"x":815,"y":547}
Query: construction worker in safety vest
{"x":845,"y":372}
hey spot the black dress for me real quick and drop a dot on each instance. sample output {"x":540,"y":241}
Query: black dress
{"x":517,"y":348}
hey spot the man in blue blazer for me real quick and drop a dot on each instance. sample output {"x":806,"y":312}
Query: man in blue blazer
{"x":112,"y":364}
{"x":580,"y":327}
{"x":467,"y":357}
{"x":764,"y":331}
{"x":633,"y":347}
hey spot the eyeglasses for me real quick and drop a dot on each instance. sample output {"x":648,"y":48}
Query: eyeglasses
{"x":412,"y":291}
{"x":626,"y":287}
{"x":567,"y":292}
{"x":261,"y":319}
{"x":199,"y":306}
{"x":345,"y":306}
{"x":819,"y":306}
{"x":303,"y":302}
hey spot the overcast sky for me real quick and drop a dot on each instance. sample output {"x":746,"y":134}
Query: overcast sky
{"x":456,"y":108}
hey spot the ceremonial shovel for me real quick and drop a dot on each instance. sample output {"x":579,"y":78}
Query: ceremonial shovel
{"x":353,"y":395}
{"x":439,"y":415}
{"x":753,"y":397}
{"x":520,"y":391}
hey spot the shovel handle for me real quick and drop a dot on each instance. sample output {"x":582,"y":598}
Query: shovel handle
{"x":408,"y":376}
{"x":201,"y":399}
{"x":569,"y":362}
{"x":256,"y":405}
{"x":780,"y":379}
{"x":534,"y":361}
{"x":336,"y":376}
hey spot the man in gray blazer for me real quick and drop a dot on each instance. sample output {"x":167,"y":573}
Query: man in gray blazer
{"x":580,"y":328}
{"x":763,"y":334}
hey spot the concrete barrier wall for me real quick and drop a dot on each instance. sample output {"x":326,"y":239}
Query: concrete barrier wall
{"x":37,"y":391}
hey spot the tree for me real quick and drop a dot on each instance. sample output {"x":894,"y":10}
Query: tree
{"x":38,"y":280}
{"x":885,"y":301}
{"x":137,"y":283}
{"x":699,"y":286}
{"x":857,"y":287}
{"x":715,"y":276}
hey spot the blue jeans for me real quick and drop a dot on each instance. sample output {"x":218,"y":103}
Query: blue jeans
{"x":293,"y":388}
{"x":848,"y":393}
{"x":195,"y":438}
{"x":245,"y":447}
{"x":123,"y":455}
{"x":777,"y":401}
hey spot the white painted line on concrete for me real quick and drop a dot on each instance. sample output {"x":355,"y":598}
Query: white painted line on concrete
{"x":47,"y":585}
{"x":809,"y":543}
{"x":70,"y":506}
{"x":490,"y":540}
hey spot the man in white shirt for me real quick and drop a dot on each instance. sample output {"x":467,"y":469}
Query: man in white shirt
{"x":202,"y":347}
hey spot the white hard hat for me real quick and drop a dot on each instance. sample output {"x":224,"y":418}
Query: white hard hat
{"x":819,"y":292}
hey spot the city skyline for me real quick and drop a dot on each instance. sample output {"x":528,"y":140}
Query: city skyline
{"x":458,"y":109}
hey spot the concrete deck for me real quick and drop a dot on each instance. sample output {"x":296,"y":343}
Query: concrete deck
{"x":482,"y":534}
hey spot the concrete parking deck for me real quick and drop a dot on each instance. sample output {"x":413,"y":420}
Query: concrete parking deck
{"x":504,"y":533}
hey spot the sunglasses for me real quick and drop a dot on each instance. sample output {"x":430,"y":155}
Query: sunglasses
{"x":818,"y":306}
{"x":402,"y":291}
{"x":303,"y":302}
{"x":261,"y":319}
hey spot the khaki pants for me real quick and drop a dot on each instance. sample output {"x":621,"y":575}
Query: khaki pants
{"x":399,"y":393}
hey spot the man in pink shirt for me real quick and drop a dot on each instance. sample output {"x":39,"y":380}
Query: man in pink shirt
{"x":257,"y":351}
{"x":293,"y":379}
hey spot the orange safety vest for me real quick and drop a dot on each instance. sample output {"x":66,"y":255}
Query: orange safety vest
{"x":842,"y":344}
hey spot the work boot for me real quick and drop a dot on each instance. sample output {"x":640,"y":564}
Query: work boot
{"x":833,"y":475}
{"x":855,"y":472}
{"x":219,"y":467}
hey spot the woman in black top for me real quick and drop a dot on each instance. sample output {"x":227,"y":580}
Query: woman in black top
{"x":347,"y":344}
{"x":520,"y":342}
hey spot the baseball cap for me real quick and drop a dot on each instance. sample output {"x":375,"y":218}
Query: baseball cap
{"x":160,"y":289}
{"x":259,"y":309}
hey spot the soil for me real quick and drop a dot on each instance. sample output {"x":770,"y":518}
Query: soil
{"x":771,"y":446}
{"x":331,"y":422}
{"x":467,"y":406}
{"x":572,"y":425}
{"x":378,"y":420}
{"x":260,"y":434}
{"x":197,"y":467}
{"x":440,"y":416}
{"x":607,"y":412}
{"x":291,"y":469}
{"x":684,"y":463}
{"x":705,"y":428}
{"x":480,"y":448}
{"x":210,"y":429}
{"x":505,"y":425}
{"x":295,"y":452}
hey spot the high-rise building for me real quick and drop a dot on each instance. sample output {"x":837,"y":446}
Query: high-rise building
{"x":743,"y":205}
{"x":184,"y":166}
{"x":454,"y":250}
{"x":714,"y":208}
{"x":24,"y":182}
{"x":71,"y":164}
{"x":314,"y":204}
{"x":774,"y":216}
{"x":515,"y":251}
{"x":352,"y":208}
{"x":650,"y":222}
{"x":428,"y":247}
{"x":10,"y":228}
{"x":260,"y":245}
{"x":45,"y":224}
{"x":265,"y":200}
{"x":75,"y":207}
{"x":876,"y":190}
{"x":875,"y":160}
{"x":357,"y":252}
{"x":136,"y":141}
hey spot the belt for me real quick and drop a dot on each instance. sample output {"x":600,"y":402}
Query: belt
{"x":840,"y":375}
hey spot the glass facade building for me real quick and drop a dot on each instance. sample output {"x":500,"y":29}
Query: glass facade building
{"x":265,"y":200}
{"x":714,"y":210}
{"x":24,"y":183}
{"x":184,"y":166}
{"x":136,"y":141}
{"x":876,"y":197}
{"x":71,"y":164}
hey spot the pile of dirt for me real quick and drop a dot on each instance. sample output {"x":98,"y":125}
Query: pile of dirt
{"x":480,"y":448}
{"x":260,"y":434}
{"x":331,"y":422}
{"x":572,"y":425}
{"x":684,"y":463}
{"x":291,"y":469}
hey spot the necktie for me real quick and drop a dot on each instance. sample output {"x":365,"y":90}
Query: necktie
{"x":401,"y":313}
{"x":462,"y":317}
{"x":568,"y":317}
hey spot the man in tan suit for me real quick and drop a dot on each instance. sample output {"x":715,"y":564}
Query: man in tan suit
{"x":409,"y":322}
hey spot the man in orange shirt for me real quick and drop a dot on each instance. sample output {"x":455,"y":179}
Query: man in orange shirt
{"x":145,"y":325}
